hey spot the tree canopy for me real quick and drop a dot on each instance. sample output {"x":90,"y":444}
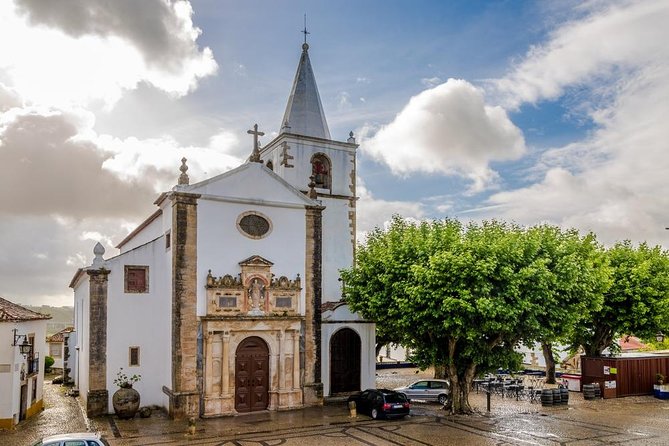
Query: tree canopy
{"x":464,"y":297}
{"x":636,"y":302}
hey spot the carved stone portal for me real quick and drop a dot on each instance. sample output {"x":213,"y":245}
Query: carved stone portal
{"x":253,"y":292}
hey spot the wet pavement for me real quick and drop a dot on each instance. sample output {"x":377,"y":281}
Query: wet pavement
{"x":633,"y":421}
{"x":61,"y":414}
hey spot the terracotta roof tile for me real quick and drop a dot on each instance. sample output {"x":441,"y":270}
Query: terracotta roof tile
{"x":59,"y":337}
{"x":11,"y":312}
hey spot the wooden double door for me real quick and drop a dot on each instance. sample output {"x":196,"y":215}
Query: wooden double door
{"x":252,"y":375}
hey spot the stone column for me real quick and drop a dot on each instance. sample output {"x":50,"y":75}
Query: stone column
{"x":313,"y":387}
{"x":209,"y":361}
{"x":184,"y":395}
{"x":97,"y":399}
{"x":225,"y":365}
{"x":282,"y":372}
{"x":296,"y":359}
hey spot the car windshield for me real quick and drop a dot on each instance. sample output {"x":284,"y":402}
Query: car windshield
{"x":395,"y":398}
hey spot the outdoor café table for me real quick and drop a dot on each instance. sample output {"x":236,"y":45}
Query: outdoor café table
{"x":514,"y":389}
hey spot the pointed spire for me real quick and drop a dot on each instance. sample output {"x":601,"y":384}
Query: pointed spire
{"x":304,"y":110}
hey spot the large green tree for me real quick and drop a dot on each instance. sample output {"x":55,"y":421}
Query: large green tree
{"x":577,"y":276}
{"x":461,"y":297}
{"x":636,"y":303}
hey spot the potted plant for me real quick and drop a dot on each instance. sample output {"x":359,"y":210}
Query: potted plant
{"x":125,"y":399}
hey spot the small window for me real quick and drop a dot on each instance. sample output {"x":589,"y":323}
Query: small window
{"x":168,"y":239}
{"x":284,"y":302}
{"x":270,"y":165}
{"x":54,"y":350}
{"x":136,"y":279}
{"x":227,"y":301}
{"x":134,"y":357}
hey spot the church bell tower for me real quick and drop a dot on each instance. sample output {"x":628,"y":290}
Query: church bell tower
{"x":305,"y":155}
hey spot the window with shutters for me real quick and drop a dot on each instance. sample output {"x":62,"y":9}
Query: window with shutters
{"x":133,"y":357}
{"x":136,"y":279}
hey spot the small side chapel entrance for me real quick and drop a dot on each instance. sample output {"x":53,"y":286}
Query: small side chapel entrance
{"x":344,"y":361}
{"x":252,"y":375}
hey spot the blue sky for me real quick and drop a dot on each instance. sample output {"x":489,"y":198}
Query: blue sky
{"x":518,"y":110}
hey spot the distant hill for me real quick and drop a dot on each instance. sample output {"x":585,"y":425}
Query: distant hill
{"x":61,"y":317}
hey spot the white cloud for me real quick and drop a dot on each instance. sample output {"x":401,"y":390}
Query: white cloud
{"x":431,"y":82}
{"x":373,"y":212}
{"x":450,"y":130}
{"x":343,"y":101}
{"x":92,"y":50}
{"x":612,"y":37}
{"x":613,"y":181}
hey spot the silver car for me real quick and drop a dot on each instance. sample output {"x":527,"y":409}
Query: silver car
{"x":78,"y":439}
{"x":428,"y":390}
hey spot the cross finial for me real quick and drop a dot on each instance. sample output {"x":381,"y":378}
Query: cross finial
{"x":305,"y":46}
{"x":255,"y":155}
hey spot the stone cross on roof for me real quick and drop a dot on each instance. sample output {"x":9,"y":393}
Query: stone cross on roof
{"x":304,"y":31}
{"x":255,"y":155}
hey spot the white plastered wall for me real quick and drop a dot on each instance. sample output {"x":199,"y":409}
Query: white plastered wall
{"x":141,"y":320}
{"x":10,"y":381}
{"x":81,"y":326}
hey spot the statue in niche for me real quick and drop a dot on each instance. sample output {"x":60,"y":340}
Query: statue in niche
{"x":257,"y":293}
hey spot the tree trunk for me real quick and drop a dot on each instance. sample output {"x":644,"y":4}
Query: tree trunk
{"x":601,"y":339}
{"x":550,"y":362}
{"x":460,"y":386}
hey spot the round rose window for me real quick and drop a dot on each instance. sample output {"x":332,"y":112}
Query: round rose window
{"x":254,"y":225}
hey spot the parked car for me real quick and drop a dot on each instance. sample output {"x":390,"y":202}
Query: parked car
{"x":77,"y":439}
{"x":428,"y":390}
{"x":381,"y":403}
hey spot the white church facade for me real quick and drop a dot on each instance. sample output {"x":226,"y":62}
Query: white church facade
{"x":227,"y":298}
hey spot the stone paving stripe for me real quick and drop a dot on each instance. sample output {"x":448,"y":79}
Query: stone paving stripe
{"x":114,"y":427}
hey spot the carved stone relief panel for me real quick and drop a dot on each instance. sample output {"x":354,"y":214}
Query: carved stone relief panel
{"x":253,"y":292}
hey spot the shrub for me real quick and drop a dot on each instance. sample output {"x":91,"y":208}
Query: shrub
{"x":48,"y":362}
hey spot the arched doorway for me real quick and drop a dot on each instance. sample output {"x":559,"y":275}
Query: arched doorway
{"x":251,"y":375}
{"x":344,"y":361}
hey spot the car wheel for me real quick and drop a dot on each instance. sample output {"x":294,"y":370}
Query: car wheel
{"x":375,"y":414}
{"x":442,"y":399}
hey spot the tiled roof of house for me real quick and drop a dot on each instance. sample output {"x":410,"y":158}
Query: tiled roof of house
{"x":59,"y":337}
{"x":11,"y":312}
{"x":630,"y":343}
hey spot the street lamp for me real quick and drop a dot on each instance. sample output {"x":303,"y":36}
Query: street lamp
{"x":25,"y":347}
{"x":659,"y":337}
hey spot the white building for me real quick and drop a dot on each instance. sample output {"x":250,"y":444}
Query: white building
{"x":21,"y":374}
{"x":226,"y":299}
{"x":56,"y":343}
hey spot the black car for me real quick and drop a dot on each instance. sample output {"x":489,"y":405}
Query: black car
{"x":381,"y":403}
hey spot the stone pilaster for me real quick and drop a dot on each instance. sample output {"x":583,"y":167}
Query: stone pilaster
{"x":184,"y":395}
{"x":97,"y":399}
{"x":313,"y":387}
